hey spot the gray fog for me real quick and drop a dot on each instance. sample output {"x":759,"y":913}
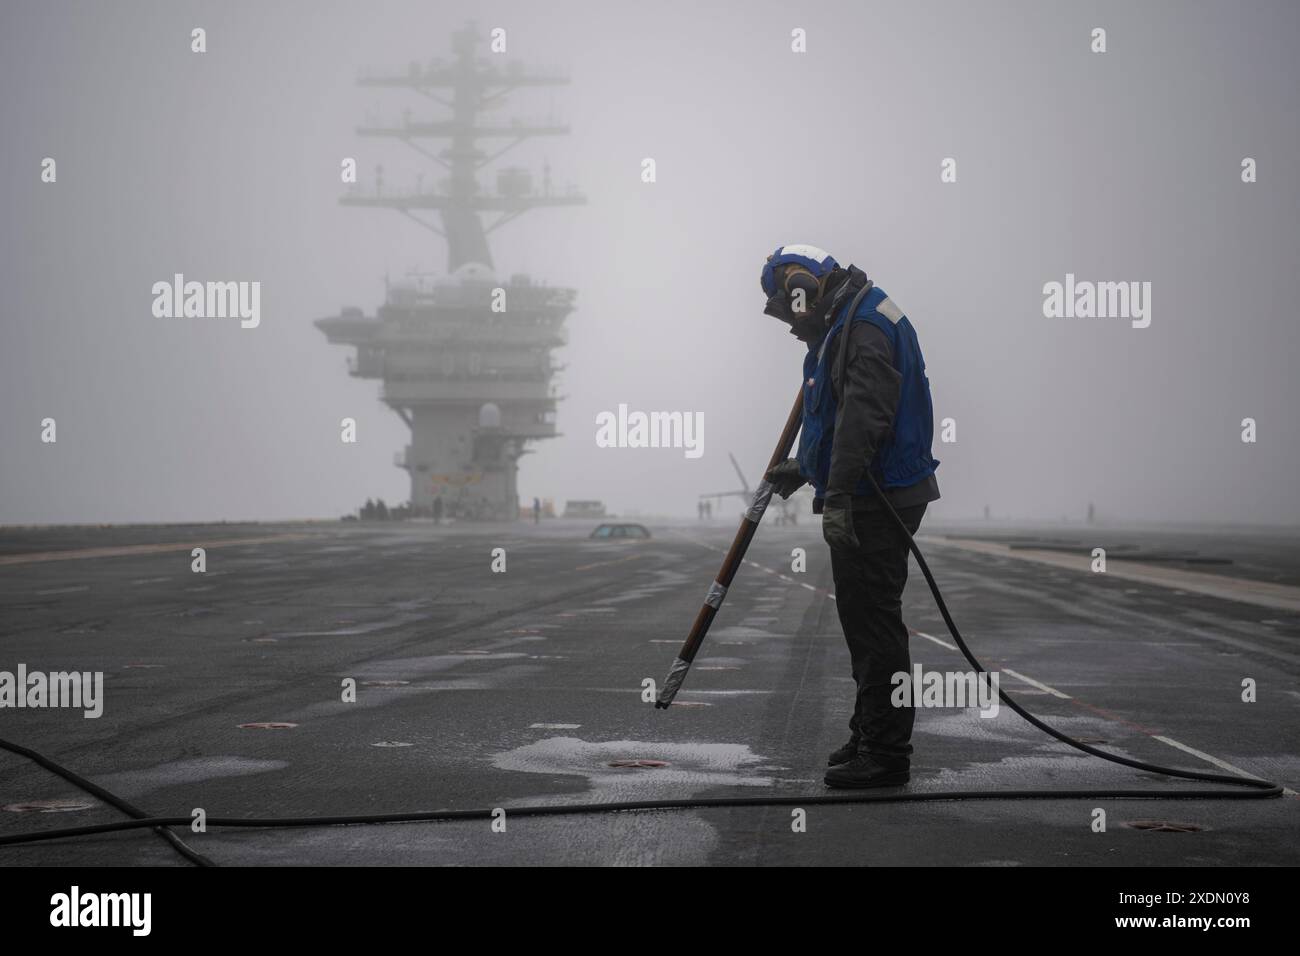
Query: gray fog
{"x":1122,"y":166}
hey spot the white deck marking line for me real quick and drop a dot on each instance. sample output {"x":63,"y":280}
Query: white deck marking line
{"x":1222,"y":764}
{"x":604,"y":564}
{"x":939,"y":641}
{"x":1243,"y":590}
{"x":32,"y":557}
{"x":1208,"y":758}
{"x":1033,"y":683}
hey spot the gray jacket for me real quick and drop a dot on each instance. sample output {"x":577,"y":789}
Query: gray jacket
{"x":864,"y":418}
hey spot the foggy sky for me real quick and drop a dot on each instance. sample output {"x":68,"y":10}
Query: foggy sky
{"x":1122,"y":166}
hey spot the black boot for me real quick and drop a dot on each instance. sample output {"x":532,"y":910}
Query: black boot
{"x":844,"y":754}
{"x":864,"y":771}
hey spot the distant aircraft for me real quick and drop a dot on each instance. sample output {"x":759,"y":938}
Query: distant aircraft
{"x":788,"y":513}
{"x":744,"y":493}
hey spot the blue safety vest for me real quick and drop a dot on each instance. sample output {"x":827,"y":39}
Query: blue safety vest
{"x":903,"y":458}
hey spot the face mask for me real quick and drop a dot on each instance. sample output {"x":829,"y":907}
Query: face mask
{"x":806,"y":323}
{"x":806,"y":326}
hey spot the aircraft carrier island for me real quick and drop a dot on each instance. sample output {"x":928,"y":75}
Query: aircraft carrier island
{"x":466,"y":358}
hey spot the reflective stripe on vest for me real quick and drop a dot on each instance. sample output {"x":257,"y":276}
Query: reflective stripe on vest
{"x":890,"y":311}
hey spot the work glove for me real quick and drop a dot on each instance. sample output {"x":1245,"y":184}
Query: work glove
{"x":785,"y":478}
{"x":837,"y":523}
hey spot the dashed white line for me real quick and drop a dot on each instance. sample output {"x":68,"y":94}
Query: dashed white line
{"x":939,"y":641}
{"x":1033,"y":683}
{"x":1222,"y":764}
{"x":1208,"y":758}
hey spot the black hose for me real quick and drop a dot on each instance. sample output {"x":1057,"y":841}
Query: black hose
{"x":690,"y":803}
{"x":1254,"y":788}
{"x":1266,"y":788}
{"x":95,"y":790}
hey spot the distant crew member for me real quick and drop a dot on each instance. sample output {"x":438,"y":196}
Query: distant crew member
{"x":437,"y":510}
{"x":537,"y":511}
{"x":866,"y":406}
